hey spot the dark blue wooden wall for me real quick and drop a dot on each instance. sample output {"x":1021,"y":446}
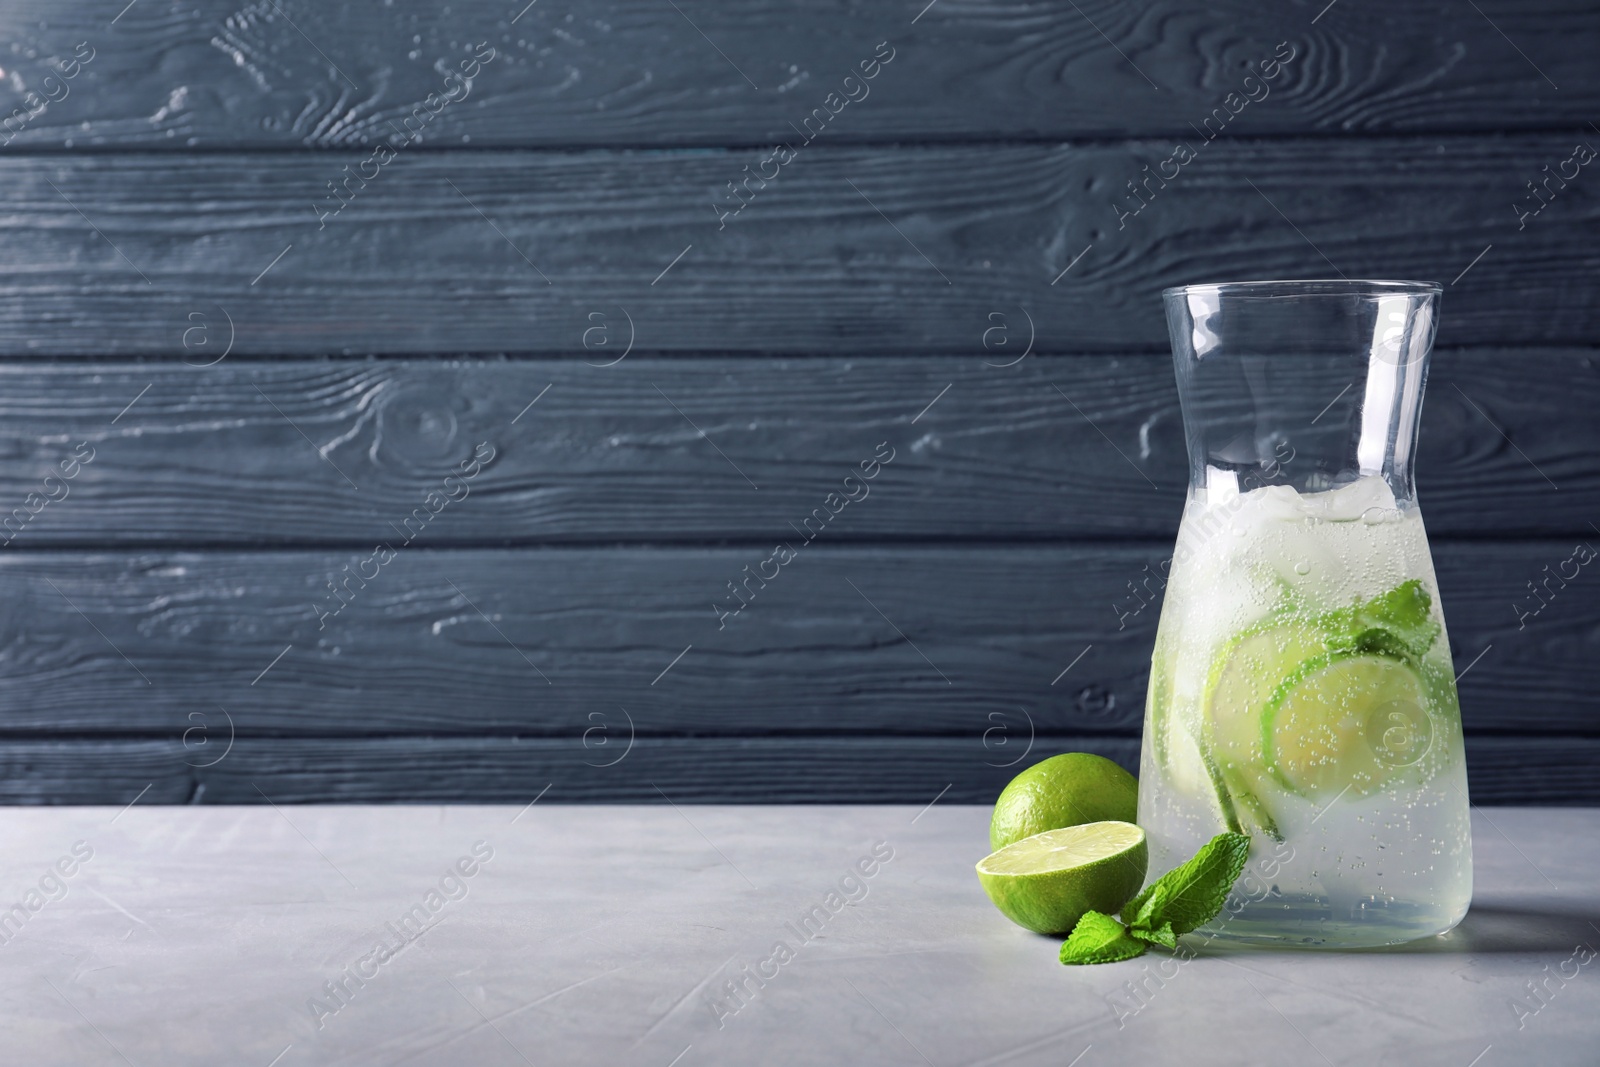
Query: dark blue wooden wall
{"x":399,"y":399}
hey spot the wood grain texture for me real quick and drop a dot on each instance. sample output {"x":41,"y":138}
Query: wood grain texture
{"x":576,"y":205}
{"x":687,"y":771}
{"x":704,"y":770}
{"x":268,"y":74}
{"x":553,"y":642}
{"x":259,"y":453}
{"x":878,"y":251}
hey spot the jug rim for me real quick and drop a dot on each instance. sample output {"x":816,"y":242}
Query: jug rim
{"x":1267,"y":289}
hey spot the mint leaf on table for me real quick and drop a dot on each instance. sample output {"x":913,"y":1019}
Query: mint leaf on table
{"x":1162,"y":936}
{"x":1098,"y":938}
{"x":1141,"y":910}
{"x":1186,"y":897}
{"x":1191,"y":894}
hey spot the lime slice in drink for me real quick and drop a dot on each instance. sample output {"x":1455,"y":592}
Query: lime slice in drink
{"x":1244,"y":678}
{"x":1046,"y":882}
{"x":1323,"y":703}
{"x":1243,"y":681}
{"x":1346,"y":722}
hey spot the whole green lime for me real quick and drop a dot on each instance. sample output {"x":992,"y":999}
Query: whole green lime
{"x":1065,"y":790}
{"x":1046,"y":882}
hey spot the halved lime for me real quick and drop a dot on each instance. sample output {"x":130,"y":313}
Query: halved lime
{"x":1346,"y":722}
{"x":1064,"y":790}
{"x":1046,"y":882}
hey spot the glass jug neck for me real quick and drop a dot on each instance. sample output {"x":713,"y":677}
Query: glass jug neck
{"x":1311,"y":385}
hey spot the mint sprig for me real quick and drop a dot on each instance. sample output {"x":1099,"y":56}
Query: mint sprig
{"x":1191,"y":894}
{"x":1184,"y":899}
{"x":1098,"y":938}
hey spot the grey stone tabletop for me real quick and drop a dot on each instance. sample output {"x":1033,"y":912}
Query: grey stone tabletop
{"x":673,"y":936}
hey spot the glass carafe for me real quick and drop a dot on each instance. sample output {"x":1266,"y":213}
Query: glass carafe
{"x":1301,"y":688}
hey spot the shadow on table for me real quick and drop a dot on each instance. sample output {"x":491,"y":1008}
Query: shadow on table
{"x":1488,"y":927}
{"x":1498,"y":928}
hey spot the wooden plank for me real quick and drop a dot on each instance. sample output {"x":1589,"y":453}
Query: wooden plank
{"x":230,"y":454}
{"x":261,"y":73}
{"x":706,"y":770}
{"x":861,"y":640}
{"x":364,"y":770}
{"x":1533,"y":770}
{"x":880,"y":250}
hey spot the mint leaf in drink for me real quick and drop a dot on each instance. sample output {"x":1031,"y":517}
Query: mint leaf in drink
{"x":1098,"y":938}
{"x":1398,"y":623}
{"x":1406,"y":608}
{"x":1189,"y":895}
